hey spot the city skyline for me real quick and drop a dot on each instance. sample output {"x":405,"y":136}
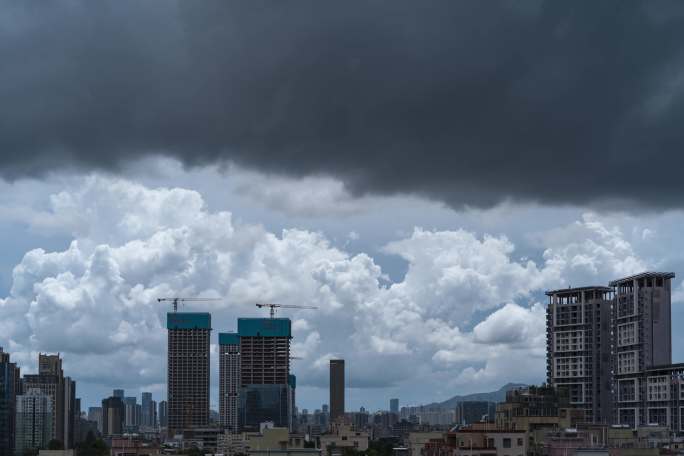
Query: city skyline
{"x":421,"y":175}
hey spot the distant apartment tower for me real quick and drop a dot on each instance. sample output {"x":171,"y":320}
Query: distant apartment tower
{"x":34,"y":420}
{"x":148,"y":413}
{"x":229,"y":380}
{"x":163,"y":414}
{"x":394,"y":405}
{"x":264,"y":371}
{"x":112,"y":416}
{"x":118,"y":393}
{"x":8,"y":392}
{"x":642,"y":340}
{"x":188,"y":370}
{"x":50,"y":380}
{"x":336,"y":389}
{"x":95,"y":415}
{"x":578,"y":324}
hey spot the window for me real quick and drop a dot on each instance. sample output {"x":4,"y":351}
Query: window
{"x":627,"y":334}
{"x":520,"y":442}
{"x":627,"y":390}
{"x":506,"y":443}
{"x":658,"y":416}
{"x":627,"y":417}
{"x":569,"y":341}
{"x":571,"y":366}
{"x":658,"y":388}
{"x":627,"y":362}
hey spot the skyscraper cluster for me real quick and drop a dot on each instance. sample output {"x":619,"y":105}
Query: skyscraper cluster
{"x":255,"y":384}
{"x":37,"y":408}
{"x":611,"y":348}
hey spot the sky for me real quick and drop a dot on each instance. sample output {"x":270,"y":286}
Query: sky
{"x":420,"y":173}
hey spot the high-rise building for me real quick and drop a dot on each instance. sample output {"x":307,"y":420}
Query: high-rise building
{"x":131,"y":422}
{"x":95,"y":415}
{"x":336,"y":389}
{"x":147,"y":419}
{"x":8,"y":393}
{"x":50,"y":380}
{"x":188,"y":370}
{"x":69,"y":413}
{"x":118,"y":393}
{"x":163,"y":414}
{"x":229,"y":380}
{"x":578,"y":347}
{"x":642,"y":340}
{"x":34,"y":420}
{"x":264,"y":372}
{"x":112,"y":416}
{"x":394,"y":405}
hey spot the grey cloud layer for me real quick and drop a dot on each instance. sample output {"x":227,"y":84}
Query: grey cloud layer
{"x":466,"y":102}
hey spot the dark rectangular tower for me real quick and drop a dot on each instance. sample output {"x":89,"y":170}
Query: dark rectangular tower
{"x":188,"y":370}
{"x":336,"y":389}
{"x":229,"y":380}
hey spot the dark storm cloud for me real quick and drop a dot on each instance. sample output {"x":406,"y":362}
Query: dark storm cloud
{"x":466,"y":102}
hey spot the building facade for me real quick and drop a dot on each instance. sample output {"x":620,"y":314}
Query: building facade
{"x":642,"y":339}
{"x":394,"y":405}
{"x":163,"y":414}
{"x":229,"y":380}
{"x":336,"y":389}
{"x":188,"y":370}
{"x":113,"y":412}
{"x":8,"y":392}
{"x":34,"y":420}
{"x":578,"y":337}
{"x":264,"y":372}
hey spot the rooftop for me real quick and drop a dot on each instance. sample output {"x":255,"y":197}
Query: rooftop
{"x":664,"y":275}
{"x":577,"y":289}
{"x":188,"y":320}
{"x":264,"y":327}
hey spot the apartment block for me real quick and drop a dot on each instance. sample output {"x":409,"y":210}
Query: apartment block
{"x":229,"y":380}
{"x":578,"y":339}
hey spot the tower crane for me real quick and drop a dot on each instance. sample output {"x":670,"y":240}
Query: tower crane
{"x":175,"y":301}
{"x":284,"y":306}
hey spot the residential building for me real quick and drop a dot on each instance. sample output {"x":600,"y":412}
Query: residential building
{"x":8,"y":392}
{"x":148,"y":413}
{"x":95,"y":415}
{"x":642,"y":331}
{"x":265,"y":372}
{"x":163,"y":414}
{"x":476,"y":442}
{"x":118,"y":393}
{"x":416,"y":441}
{"x":578,"y":327}
{"x":336,"y":389}
{"x":188,"y":370}
{"x":229,"y":380}
{"x":113,"y":414}
{"x":341,"y":437}
{"x":132,"y":446}
{"x":34,"y":420}
{"x":69,"y":413}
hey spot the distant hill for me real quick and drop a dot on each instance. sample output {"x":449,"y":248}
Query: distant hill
{"x":493,"y":396}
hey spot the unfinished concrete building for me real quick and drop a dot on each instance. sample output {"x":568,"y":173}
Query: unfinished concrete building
{"x":578,"y":323}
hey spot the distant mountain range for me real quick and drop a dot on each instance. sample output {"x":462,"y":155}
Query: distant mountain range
{"x":493,"y":396}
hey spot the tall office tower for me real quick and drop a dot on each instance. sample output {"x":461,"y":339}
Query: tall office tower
{"x":95,"y":414}
{"x":264,"y":371}
{"x":642,"y":339}
{"x":112,"y":416}
{"x":394,"y":406}
{"x":147,"y":410}
{"x":229,"y":380}
{"x":50,"y":380}
{"x":34,"y":419}
{"x":188,"y":370}
{"x":118,"y":393}
{"x":578,"y":352}
{"x":163,"y":414}
{"x":292,"y":389}
{"x":8,"y":394}
{"x":336,"y":389}
{"x":69,"y":413}
{"x":154,"y":421}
